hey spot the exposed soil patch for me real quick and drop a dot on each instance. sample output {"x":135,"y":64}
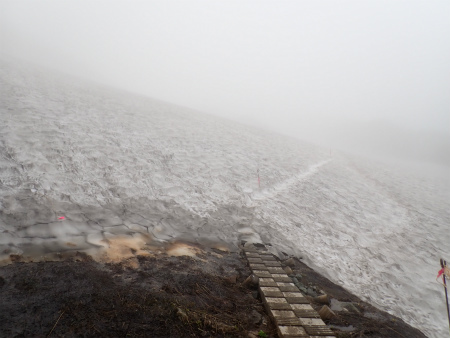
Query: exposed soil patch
{"x":163,"y":297}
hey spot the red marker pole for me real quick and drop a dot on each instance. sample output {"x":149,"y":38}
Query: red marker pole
{"x":443,"y":265}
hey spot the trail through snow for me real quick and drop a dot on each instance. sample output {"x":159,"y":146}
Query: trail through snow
{"x":120,"y":167}
{"x":280,"y":187}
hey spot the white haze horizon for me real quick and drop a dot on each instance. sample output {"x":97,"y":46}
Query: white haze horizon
{"x":377,"y":139}
{"x":339,"y":74}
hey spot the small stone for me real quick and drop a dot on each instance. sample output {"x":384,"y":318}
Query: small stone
{"x":255,"y":317}
{"x":323,"y":299}
{"x":231,"y":279}
{"x":255,"y":294}
{"x":289,"y":262}
{"x":311,"y":292}
{"x":253,"y":334}
{"x":288,"y":270}
{"x":351,"y":307}
{"x":298,"y":284}
{"x":302,"y":288}
{"x":326,"y":313}
{"x":251,"y":281}
{"x":182,"y":314}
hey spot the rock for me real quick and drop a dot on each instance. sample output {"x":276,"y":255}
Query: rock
{"x":326,"y":313}
{"x":351,"y":307}
{"x":323,"y":299}
{"x":231,"y":279}
{"x":336,"y":305}
{"x":253,"y":334}
{"x":221,"y":326}
{"x":255,"y":317}
{"x":251,"y":281}
{"x":302,"y":289}
{"x":182,"y":314}
{"x":249,"y":246}
{"x":289,"y":262}
{"x":288,"y":270}
{"x":299,"y":285}
{"x":255,"y":294}
{"x":311,"y":292}
{"x":280,"y":255}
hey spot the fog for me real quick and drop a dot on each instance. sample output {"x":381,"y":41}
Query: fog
{"x":371,"y":77}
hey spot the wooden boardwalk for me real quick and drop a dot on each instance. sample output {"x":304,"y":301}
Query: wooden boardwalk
{"x":287,"y":307}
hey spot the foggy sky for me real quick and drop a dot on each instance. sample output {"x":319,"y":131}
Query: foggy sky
{"x":340,"y":73}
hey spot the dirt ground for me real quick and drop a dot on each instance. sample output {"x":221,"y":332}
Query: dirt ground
{"x":353,"y":317}
{"x":162,"y":296}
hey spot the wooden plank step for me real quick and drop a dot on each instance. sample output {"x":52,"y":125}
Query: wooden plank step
{"x":318,"y":330}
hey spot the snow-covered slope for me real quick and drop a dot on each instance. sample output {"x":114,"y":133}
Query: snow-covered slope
{"x":115,"y":163}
